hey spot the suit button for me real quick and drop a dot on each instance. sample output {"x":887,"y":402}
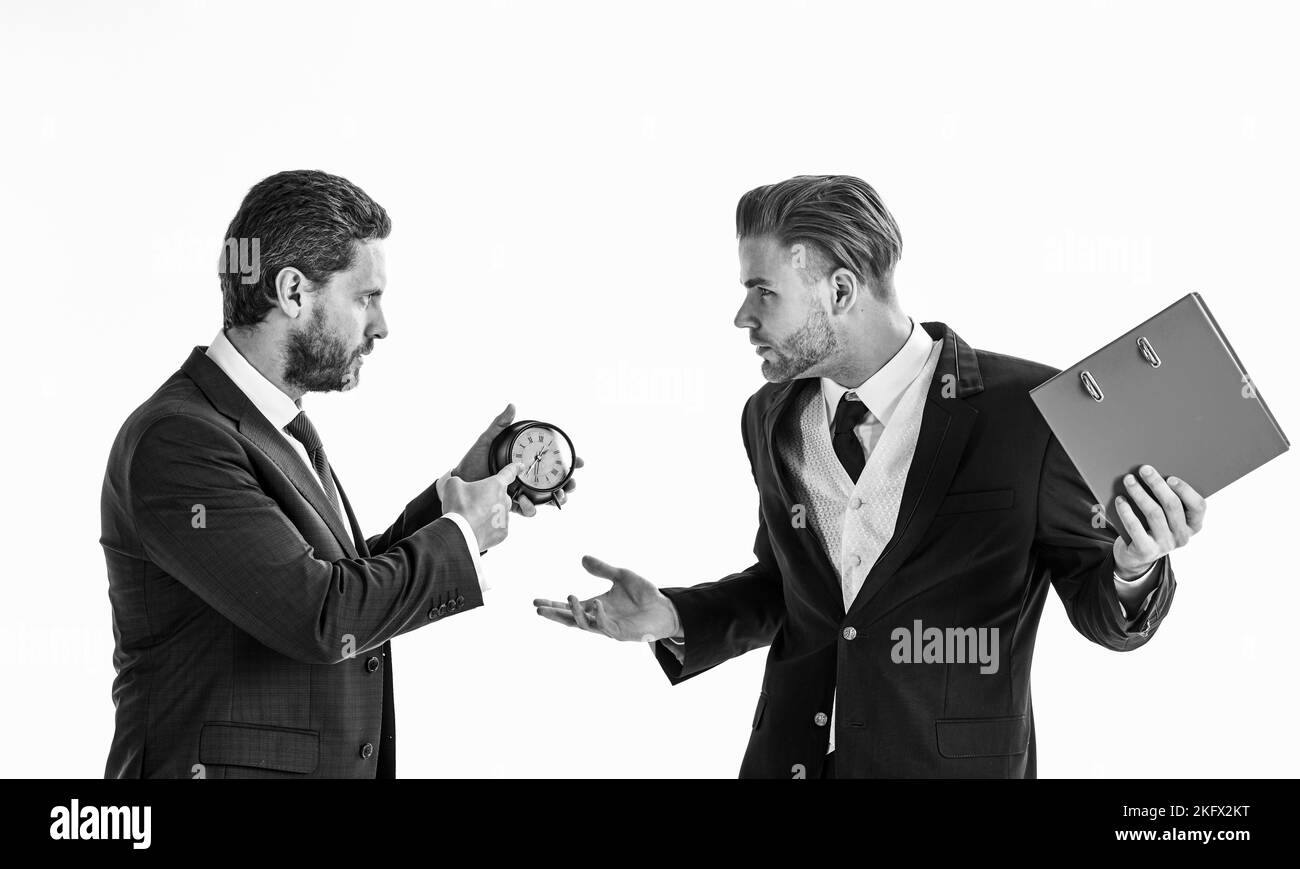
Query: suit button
{"x":367,"y":750}
{"x":857,"y":503}
{"x":460,"y":600}
{"x":442,"y":609}
{"x":433,"y":612}
{"x":372,"y":665}
{"x":850,"y":633}
{"x":451,"y":606}
{"x":820,"y":719}
{"x":855,"y":560}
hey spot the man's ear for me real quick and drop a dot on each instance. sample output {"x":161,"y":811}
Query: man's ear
{"x":845,"y":290}
{"x":290,"y":287}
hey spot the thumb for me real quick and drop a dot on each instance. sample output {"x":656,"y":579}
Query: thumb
{"x":498,"y":425}
{"x":504,"y":418}
{"x":596,"y":567}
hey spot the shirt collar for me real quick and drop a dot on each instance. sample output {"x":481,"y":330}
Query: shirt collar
{"x":881,"y":391}
{"x":278,"y":408}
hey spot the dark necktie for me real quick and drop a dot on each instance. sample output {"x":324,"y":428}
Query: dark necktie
{"x":302,"y":429}
{"x":848,"y":416}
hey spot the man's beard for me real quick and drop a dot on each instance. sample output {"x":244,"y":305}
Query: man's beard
{"x":317,"y":360}
{"x":811,"y":343}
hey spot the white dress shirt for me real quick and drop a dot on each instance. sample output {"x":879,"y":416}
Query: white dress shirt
{"x":279,"y":410}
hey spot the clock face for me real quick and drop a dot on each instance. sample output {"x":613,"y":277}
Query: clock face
{"x":546,"y":456}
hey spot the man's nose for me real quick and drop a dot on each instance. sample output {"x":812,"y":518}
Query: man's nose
{"x":378,"y":326}
{"x":744,"y":319}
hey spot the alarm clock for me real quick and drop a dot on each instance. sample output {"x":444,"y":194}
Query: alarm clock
{"x":544,"y":451}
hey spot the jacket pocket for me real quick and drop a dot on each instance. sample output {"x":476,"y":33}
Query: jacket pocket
{"x":259,"y":746}
{"x":982,"y":737}
{"x":758,"y":710}
{"x":971,"y":502}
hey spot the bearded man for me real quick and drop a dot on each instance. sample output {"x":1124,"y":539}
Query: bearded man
{"x":252,"y":618}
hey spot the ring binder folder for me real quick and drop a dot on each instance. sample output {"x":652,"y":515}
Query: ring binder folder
{"x":1182,"y":410}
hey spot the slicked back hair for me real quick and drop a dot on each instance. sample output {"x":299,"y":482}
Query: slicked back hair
{"x":840,"y":217}
{"x":304,"y":219}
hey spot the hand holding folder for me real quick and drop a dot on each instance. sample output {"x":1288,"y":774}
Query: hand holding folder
{"x":1170,"y":393}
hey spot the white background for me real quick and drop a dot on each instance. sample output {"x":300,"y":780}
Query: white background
{"x":1060,"y":172}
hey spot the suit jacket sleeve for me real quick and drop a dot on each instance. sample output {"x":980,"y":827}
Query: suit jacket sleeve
{"x":1080,"y":560}
{"x":727,"y":618}
{"x":250,"y":563}
{"x":422,"y":510}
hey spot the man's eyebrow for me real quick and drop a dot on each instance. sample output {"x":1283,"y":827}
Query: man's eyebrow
{"x":373,"y":291}
{"x":753,"y":282}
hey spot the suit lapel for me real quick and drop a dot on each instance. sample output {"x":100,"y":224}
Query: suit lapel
{"x":362,"y":549}
{"x":774,"y":419}
{"x":946,"y":424}
{"x":259,"y":431}
{"x":230,"y":400}
{"x":773,"y":415}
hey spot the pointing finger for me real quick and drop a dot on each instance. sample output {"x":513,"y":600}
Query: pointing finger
{"x":507,"y":475}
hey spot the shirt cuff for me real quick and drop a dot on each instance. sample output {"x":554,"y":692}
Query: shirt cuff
{"x":1120,"y":583}
{"x":675,"y":648}
{"x":471,"y":542}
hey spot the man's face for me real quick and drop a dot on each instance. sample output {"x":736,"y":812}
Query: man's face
{"x":784,"y":310}
{"x":339,"y":324}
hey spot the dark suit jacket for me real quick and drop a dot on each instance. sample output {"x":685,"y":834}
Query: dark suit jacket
{"x":251,"y":625}
{"x":993,"y":511}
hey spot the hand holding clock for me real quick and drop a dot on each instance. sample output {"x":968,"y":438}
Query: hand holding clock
{"x":477,"y":465}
